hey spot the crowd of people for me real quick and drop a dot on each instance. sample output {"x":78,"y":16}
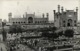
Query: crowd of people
{"x":32,"y":43}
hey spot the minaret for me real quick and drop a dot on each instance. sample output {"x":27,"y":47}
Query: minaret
{"x":34,"y":14}
{"x":77,"y":12}
{"x":76,"y":9}
{"x":25,"y":14}
{"x":47,"y":15}
{"x":10,"y":16}
{"x":54,"y":11}
{"x":59,"y":8}
{"x":43,"y":15}
{"x":62,"y":9}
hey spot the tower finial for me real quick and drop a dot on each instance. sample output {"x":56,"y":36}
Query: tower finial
{"x":62,"y":9}
{"x":10,"y":15}
{"x":47,"y":15}
{"x":58,"y":8}
{"x":76,"y":9}
{"x":43,"y":15}
{"x":54,"y":11}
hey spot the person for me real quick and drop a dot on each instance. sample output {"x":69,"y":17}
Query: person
{"x":23,"y":49}
{"x":1,"y":49}
{"x":11,"y":49}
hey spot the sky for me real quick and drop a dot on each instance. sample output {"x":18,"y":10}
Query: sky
{"x":19,"y":7}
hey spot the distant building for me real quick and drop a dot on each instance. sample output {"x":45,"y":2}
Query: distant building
{"x":30,"y":21}
{"x":66,"y":18}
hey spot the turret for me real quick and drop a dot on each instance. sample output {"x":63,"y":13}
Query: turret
{"x":62,"y":9}
{"x":10,"y":15}
{"x":25,"y":14}
{"x":43,"y":15}
{"x":76,"y":9}
{"x":54,"y":11}
{"x":47,"y":15}
{"x":59,"y":8}
{"x":34,"y":13}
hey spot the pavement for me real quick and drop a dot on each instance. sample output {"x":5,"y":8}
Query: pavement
{"x":3,"y":47}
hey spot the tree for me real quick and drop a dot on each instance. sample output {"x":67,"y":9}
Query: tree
{"x":53,"y":29}
{"x":50,"y":35}
{"x":69,"y":33}
{"x":49,"y":32}
{"x":12,"y":29}
{"x":18,"y":29}
{"x":45,"y":34}
{"x":15,"y":29}
{"x":4,"y":34}
{"x":55,"y":35}
{"x":60,"y":33}
{"x":45,"y":29}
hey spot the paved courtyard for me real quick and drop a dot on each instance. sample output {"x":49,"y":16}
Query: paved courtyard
{"x":3,"y":47}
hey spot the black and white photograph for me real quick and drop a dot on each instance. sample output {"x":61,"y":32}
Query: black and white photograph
{"x":39,"y":25}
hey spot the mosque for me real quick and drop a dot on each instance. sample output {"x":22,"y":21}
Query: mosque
{"x":67,"y":18}
{"x":31,"y":20}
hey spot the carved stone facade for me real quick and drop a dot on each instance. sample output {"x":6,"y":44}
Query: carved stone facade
{"x":67,"y":18}
{"x":29,"y":19}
